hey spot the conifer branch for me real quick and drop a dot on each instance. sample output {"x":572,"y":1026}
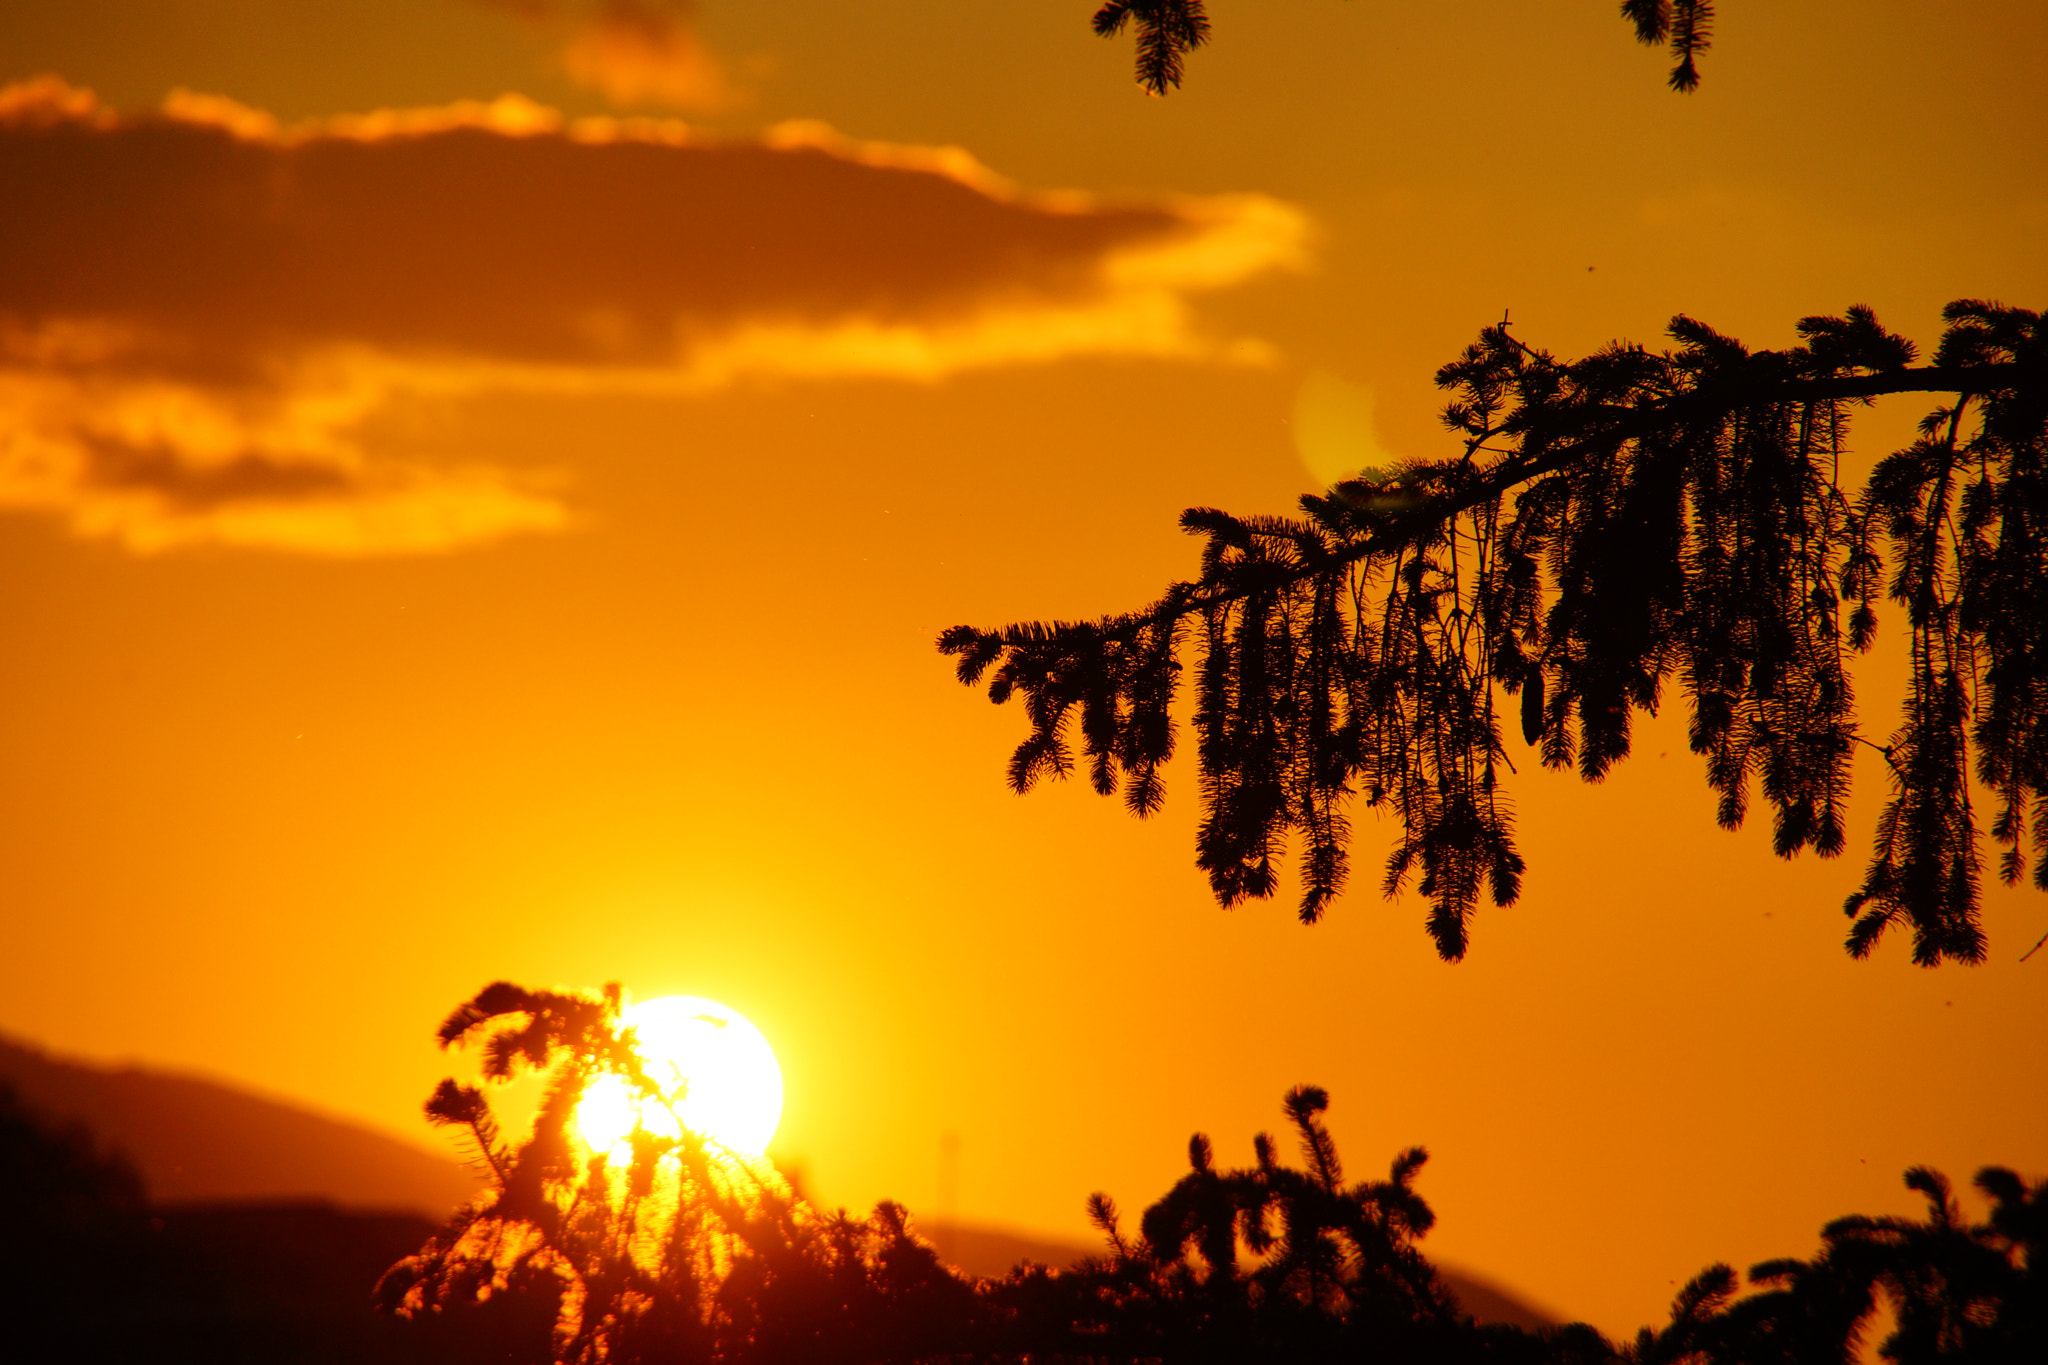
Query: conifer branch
{"x":1168,"y":30}
{"x":1626,"y":424}
{"x":1612,"y":522}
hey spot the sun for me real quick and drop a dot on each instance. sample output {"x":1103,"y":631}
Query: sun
{"x":716,"y":1069}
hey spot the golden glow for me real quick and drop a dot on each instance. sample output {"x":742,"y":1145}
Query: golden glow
{"x":643,"y":674}
{"x":718,"y":1075}
{"x":1336,"y":428}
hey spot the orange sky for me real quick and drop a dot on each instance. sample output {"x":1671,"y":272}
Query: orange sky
{"x":507,"y":538}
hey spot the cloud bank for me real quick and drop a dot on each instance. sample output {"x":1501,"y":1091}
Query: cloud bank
{"x":199,"y":307}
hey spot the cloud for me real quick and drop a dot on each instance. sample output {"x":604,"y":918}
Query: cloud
{"x":200,"y":308}
{"x":635,"y":56}
{"x":633,"y":52}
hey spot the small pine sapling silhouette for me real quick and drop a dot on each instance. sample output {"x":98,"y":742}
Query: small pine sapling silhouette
{"x":664,"y":1248}
{"x":1957,"y":1292}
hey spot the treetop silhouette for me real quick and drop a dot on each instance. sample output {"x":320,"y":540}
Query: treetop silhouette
{"x":1957,"y":1291}
{"x":1612,"y":525}
{"x":660,"y":1251}
{"x":665,"y":1247}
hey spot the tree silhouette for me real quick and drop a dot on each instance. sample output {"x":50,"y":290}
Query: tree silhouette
{"x":1957,"y":1292}
{"x":1168,"y":30}
{"x":70,"y":1238}
{"x":1269,"y":1262}
{"x":1613,"y":524}
{"x":1343,"y":1258}
{"x":664,"y":1249}
{"x":668,"y":1250}
{"x":91,"y":1273}
{"x":1960,"y":1292}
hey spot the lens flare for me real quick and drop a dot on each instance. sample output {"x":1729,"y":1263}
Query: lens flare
{"x":718,"y":1076}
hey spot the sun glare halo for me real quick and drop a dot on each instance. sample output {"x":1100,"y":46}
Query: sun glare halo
{"x":717,"y":1069}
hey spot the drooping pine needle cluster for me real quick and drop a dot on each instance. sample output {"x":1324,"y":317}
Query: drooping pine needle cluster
{"x":1168,"y":30}
{"x":1685,"y":26}
{"x":1613,"y":524}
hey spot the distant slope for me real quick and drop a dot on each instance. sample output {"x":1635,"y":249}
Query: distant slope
{"x":992,"y":1251}
{"x":1489,"y":1302}
{"x":195,"y":1140}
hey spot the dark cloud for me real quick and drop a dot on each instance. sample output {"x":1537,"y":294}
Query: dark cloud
{"x":164,"y":471}
{"x":223,"y":299}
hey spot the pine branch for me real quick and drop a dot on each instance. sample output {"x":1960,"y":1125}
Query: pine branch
{"x":464,"y":1107}
{"x":1612,"y":523}
{"x":1612,"y":427}
{"x":1168,"y":30}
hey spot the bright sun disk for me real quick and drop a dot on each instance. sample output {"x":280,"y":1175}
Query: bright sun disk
{"x":716,"y":1070}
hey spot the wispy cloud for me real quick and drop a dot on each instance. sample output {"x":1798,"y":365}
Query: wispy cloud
{"x":199,"y":308}
{"x":635,"y":53}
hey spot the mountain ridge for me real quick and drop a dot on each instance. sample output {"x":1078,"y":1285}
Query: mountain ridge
{"x":196,"y":1141}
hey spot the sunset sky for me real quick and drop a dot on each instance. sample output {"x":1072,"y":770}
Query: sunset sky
{"x":480,"y":482}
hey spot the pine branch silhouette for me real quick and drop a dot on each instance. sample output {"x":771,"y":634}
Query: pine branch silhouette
{"x":1613,"y":524}
{"x":1684,"y":25}
{"x":464,"y":1107}
{"x":1957,"y":1292}
{"x":1168,"y":30}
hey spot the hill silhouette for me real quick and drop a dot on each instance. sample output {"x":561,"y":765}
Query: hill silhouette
{"x":195,"y":1140}
{"x":200,"y":1142}
{"x":91,"y":1274}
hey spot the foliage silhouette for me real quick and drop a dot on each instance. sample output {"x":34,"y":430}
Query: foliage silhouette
{"x":667,"y":1250}
{"x":1168,"y":30}
{"x":68,"y":1236}
{"x":1270,"y":1262}
{"x":59,"y":1181}
{"x":1613,"y":523}
{"x":1957,"y":1292}
{"x":670,"y":1249}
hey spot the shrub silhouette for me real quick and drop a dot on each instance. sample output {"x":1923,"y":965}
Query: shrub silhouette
{"x":669,"y":1249}
{"x":90,"y":1273}
{"x":1957,"y":1292}
{"x":70,"y":1237}
{"x":1269,"y":1262}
